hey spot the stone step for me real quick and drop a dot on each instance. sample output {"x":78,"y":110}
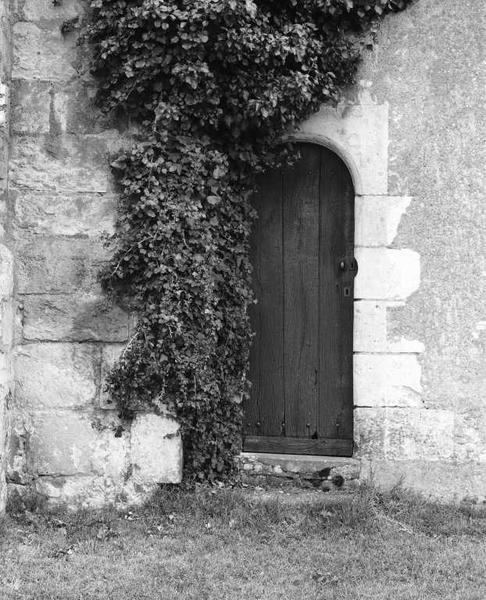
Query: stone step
{"x":325,"y":472}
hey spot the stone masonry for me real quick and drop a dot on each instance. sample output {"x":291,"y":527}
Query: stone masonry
{"x":6,"y":259}
{"x":66,"y":440}
{"x":412,"y":135}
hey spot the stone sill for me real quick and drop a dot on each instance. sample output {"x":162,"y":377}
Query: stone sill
{"x":298,"y":466}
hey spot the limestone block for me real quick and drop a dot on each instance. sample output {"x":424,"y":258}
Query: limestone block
{"x":3,"y":490}
{"x":110,"y":452}
{"x":6,"y":272}
{"x":419,"y":434}
{"x":46,"y":10}
{"x":401,"y":434}
{"x":377,"y":219}
{"x":76,"y":318}
{"x":42,"y":53}
{"x":62,"y":442}
{"x":52,"y":376}
{"x":442,"y":481}
{"x":6,"y":323}
{"x":372,"y":324}
{"x":80,"y":491}
{"x":41,"y":107}
{"x":58,"y":265}
{"x":63,"y":163}
{"x":470,"y":435}
{"x":31,"y":107}
{"x":360,"y":134}
{"x":387,"y":380}
{"x":386,"y":274}
{"x":156,"y":450}
{"x":372,"y":329}
{"x":369,"y":432}
{"x":54,"y":214}
{"x":369,"y":326}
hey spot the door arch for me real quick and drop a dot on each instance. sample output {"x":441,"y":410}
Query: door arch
{"x":301,"y":363}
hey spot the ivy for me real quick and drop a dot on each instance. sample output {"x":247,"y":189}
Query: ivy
{"x":213,"y":86}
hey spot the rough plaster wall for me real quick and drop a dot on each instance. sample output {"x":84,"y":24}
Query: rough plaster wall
{"x":430,"y":66}
{"x":6,"y":271}
{"x":67,"y":441}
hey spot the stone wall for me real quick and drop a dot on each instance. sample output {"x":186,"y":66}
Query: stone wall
{"x":6,"y":261}
{"x":429,"y":68}
{"x":412,"y":136}
{"x":67,"y":442}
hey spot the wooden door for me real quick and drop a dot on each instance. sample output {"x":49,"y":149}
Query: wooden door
{"x":301,"y":370}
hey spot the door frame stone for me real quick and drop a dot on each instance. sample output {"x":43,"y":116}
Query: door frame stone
{"x":387,"y":370}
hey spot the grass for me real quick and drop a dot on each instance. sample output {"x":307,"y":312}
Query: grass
{"x":246,"y":544}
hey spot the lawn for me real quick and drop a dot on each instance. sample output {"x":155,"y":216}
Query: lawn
{"x":250,"y":544}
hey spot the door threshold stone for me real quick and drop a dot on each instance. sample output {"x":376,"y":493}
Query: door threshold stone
{"x":311,"y":471}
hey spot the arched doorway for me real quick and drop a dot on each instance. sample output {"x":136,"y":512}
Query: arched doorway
{"x":301,"y":400}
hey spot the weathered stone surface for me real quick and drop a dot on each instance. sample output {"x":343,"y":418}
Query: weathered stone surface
{"x":63,"y":163}
{"x":156,"y":450}
{"x":57,"y":375}
{"x":372,"y":329}
{"x":110,"y":453}
{"x":74,"y":215}
{"x":83,"y":463}
{"x":6,"y":324}
{"x":46,"y":10}
{"x":57,"y":265}
{"x":470,"y":434}
{"x":31,"y":106}
{"x":442,"y":481}
{"x":386,"y":274}
{"x":387,"y":380}
{"x":43,"y":53}
{"x":6,"y":272}
{"x":377,"y":219}
{"x":369,"y":432}
{"x":42,"y":107}
{"x":418,"y":434}
{"x":3,"y":455}
{"x":79,"y":318}
{"x":62,"y":442}
{"x":404,"y":434}
{"x":6,"y":259}
{"x":81,"y":491}
{"x":113,"y":468}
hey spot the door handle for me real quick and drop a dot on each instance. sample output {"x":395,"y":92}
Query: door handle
{"x":352,"y":265}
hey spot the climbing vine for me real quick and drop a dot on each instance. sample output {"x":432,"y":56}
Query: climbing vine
{"x":212,"y":86}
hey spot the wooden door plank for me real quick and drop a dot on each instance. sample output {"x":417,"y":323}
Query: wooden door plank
{"x":264,"y":412}
{"x":285,"y":445}
{"x":336,"y":308}
{"x":300,"y":265}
